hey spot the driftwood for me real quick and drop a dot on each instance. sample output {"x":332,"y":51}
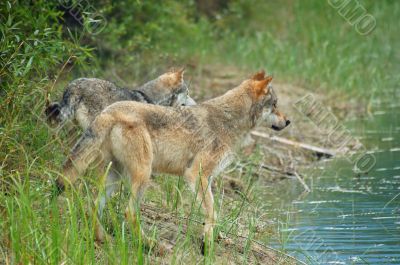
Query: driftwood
{"x":319,"y":151}
{"x":278,"y":170}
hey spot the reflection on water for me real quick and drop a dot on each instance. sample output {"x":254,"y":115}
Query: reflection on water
{"x":350,"y":218}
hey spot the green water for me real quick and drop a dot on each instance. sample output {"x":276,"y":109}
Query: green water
{"x":349,"y":218}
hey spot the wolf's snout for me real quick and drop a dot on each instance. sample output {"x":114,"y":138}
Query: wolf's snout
{"x":190,"y":102}
{"x":280,"y":123}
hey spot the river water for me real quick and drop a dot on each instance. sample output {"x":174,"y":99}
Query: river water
{"x":349,"y":218}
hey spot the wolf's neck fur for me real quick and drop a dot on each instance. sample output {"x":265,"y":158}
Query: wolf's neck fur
{"x":236,"y":113}
{"x":159,"y":96}
{"x":148,"y":89}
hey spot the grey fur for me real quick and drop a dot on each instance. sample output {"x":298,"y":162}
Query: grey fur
{"x":85,"y":98}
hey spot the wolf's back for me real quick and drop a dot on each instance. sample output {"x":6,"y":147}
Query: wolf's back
{"x":91,"y":96}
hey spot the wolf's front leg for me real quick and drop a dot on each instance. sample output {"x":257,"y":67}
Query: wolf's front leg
{"x":205,"y":197}
{"x":207,"y":202}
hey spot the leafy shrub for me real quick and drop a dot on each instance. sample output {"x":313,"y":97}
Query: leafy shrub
{"x":33,"y":51}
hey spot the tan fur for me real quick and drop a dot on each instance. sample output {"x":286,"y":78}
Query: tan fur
{"x":259,"y":75}
{"x":195,"y":142}
{"x":165,"y":85}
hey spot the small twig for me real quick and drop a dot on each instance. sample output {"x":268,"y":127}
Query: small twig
{"x":55,"y":81}
{"x":302,"y":182}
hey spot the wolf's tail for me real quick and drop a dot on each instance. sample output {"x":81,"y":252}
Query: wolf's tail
{"x":87,"y":150}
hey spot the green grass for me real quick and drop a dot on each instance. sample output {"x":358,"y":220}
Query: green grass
{"x":39,"y":230}
{"x":321,"y":51}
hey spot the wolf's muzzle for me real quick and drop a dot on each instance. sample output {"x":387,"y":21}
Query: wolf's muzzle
{"x":190,"y":102}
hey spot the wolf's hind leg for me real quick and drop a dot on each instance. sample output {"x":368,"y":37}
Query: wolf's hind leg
{"x":111,"y":186}
{"x":139,"y":182}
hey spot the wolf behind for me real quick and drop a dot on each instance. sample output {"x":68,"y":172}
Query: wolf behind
{"x":195,"y":142}
{"x":85,"y":98}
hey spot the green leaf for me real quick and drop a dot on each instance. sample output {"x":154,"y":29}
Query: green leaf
{"x":9,"y":21}
{"x":28,"y":65}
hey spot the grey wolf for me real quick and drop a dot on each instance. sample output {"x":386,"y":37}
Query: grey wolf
{"x":196,"y":142}
{"x":85,"y":98}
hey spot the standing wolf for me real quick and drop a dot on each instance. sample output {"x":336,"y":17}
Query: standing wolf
{"x":85,"y":98}
{"x":195,"y":142}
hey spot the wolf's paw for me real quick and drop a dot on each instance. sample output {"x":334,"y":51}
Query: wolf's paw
{"x":205,"y":245}
{"x":202,"y":247}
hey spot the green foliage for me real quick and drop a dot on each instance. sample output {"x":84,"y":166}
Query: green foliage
{"x":142,"y":25}
{"x":32,"y":51}
{"x":135,"y":27}
{"x":31,"y":41}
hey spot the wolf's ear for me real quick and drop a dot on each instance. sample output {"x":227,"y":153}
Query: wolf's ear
{"x":181,"y":70}
{"x":259,"y":75}
{"x":173,"y":77}
{"x":261,"y":87}
{"x":179,"y":75}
